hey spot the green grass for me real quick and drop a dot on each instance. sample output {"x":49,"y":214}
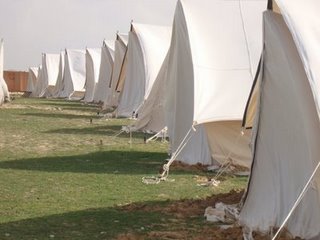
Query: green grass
{"x":63,"y":176}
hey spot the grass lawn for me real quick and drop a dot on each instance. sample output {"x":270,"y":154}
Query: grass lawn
{"x":63,"y":177}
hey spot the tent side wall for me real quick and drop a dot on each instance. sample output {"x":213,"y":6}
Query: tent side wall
{"x":52,"y":72}
{"x":4,"y":92}
{"x":286,"y":140}
{"x":32,"y":79}
{"x":119,"y":54}
{"x":93,"y":60}
{"x":90,"y":83}
{"x":152,"y":113}
{"x":41,"y":82}
{"x":134,"y":84}
{"x":180,"y":95}
{"x":101,"y":89}
{"x":75,"y":74}
{"x":59,"y":85}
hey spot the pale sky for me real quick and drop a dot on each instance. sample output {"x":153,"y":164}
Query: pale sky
{"x":30,"y":27}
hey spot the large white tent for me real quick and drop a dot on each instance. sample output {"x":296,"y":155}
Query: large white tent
{"x":32,"y":79}
{"x":74,"y":76}
{"x":4,"y":92}
{"x":120,"y":48}
{"x":48,"y":77}
{"x":93,"y":59}
{"x":286,"y":129}
{"x":147,"y":48}
{"x":59,"y":85}
{"x":214,"y":53}
{"x":107,"y":57}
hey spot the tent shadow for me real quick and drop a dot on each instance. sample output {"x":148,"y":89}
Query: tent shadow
{"x":60,"y":115}
{"x":74,"y":105}
{"x":101,"y":223}
{"x":104,"y":162}
{"x":106,"y":130}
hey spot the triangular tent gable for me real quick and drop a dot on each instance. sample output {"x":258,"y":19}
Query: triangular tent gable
{"x":286,"y":130}
{"x":93,"y":59}
{"x":107,"y":56}
{"x":120,"y":48}
{"x":74,"y":77}
{"x":147,"y":49}
{"x":210,"y":73}
{"x":32,"y":79}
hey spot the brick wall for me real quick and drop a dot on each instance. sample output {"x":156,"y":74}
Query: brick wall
{"x":16,"y":81}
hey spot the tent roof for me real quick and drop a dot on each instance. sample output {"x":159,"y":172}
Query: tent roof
{"x":225,"y":60}
{"x":111,"y":47}
{"x":154,"y":42}
{"x":106,"y":63}
{"x":123,"y":37}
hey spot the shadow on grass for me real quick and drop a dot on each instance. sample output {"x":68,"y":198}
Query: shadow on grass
{"x":106,"y":130}
{"x":142,"y":218}
{"x":70,"y":105}
{"x":112,"y":162}
{"x":61,"y":115}
{"x":102,"y":223}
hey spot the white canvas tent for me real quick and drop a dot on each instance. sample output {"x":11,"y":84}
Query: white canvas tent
{"x":214,"y":53}
{"x":147,"y":49}
{"x":93,"y":59}
{"x":120,"y":48}
{"x":105,"y":71}
{"x":286,"y":130}
{"x":59,"y":85}
{"x":74,"y":74}
{"x":49,"y":75}
{"x":4,"y":92}
{"x":32,"y":79}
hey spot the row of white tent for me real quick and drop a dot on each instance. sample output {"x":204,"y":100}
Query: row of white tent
{"x":195,"y":78}
{"x":77,"y":73}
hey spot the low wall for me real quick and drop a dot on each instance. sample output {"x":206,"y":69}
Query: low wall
{"x":16,"y":80}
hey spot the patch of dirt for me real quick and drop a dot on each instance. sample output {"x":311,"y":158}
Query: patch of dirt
{"x":188,"y":209}
{"x":206,"y":233}
{"x":129,"y":236}
{"x":178,"y":165}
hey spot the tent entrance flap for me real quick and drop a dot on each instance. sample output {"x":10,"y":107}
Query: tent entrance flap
{"x":228,"y":142}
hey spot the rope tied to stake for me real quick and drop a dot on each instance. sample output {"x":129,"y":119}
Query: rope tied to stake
{"x":166,"y":167}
